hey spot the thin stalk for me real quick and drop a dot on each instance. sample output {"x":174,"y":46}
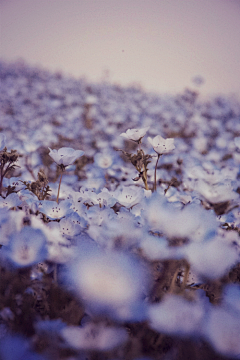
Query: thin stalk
{"x":145,"y":178}
{"x":59,"y":187}
{"x":155,"y":174}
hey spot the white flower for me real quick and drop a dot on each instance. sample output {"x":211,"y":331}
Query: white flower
{"x":222,"y":329}
{"x":128,"y":196}
{"x":161,"y":145}
{"x":135,"y":134}
{"x":176,"y":316}
{"x":65,"y":156}
{"x":211,"y":259}
{"x":53,"y":210}
{"x":2,"y":141}
{"x":94,"y":336}
{"x":10,"y":201}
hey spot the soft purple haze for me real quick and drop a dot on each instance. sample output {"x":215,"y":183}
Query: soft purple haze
{"x":159,"y":44}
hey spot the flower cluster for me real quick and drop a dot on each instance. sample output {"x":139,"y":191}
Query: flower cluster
{"x":96,"y":262}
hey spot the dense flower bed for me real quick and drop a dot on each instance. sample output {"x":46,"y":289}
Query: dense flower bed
{"x":119,"y":221}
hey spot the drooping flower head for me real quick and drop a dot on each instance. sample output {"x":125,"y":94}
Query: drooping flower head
{"x":65,"y":156}
{"x":135,"y":134}
{"x":161,"y":145}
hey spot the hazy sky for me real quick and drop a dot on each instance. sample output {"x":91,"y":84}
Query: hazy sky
{"x":160,"y":44}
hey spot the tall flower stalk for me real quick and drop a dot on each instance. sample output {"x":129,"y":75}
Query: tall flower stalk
{"x":160,"y":146}
{"x":155,"y":173}
{"x":64,"y":157}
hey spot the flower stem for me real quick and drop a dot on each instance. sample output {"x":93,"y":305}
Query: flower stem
{"x":59,"y":187}
{"x":144,"y":177}
{"x":155,"y":174}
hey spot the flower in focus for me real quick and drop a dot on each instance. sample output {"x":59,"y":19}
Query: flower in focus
{"x":65,"y":156}
{"x":2,"y":141}
{"x":161,"y":145}
{"x":135,"y":134}
{"x":55,"y":211}
{"x":128,"y":196}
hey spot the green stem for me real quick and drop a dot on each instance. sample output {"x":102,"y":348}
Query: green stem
{"x":155,"y":174}
{"x":59,"y":187}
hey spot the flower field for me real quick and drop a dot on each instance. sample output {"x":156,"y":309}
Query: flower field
{"x":119,"y":221}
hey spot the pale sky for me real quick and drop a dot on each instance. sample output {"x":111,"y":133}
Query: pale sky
{"x":160,"y":44}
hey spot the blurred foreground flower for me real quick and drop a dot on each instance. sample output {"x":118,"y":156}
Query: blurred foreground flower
{"x":94,"y":336}
{"x":110,"y":282}
{"x":26,"y":247}
{"x":177,"y":316}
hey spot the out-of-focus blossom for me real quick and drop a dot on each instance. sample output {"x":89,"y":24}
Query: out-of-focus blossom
{"x":17,"y":348}
{"x":222,"y":329}
{"x":135,"y":134}
{"x":211,"y":259}
{"x":161,"y":145}
{"x":94,"y":337}
{"x":104,"y":159}
{"x":108,"y":282}
{"x":190,"y":222}
{"x":10,"y":201}
{"x":156,"y":248}
{"x":177,"y":316}
{"x":65,"y":156}
{"x":218,"y":192}
{"x":60,"y":249}
{"x":26,"y":247}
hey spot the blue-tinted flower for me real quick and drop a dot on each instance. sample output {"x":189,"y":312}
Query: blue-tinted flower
{"x":53,"y":210}
{"x":26,"y":247}
{"x":10,"y":201}
{"x":109,"y":282}
{"x":94,"y":336}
